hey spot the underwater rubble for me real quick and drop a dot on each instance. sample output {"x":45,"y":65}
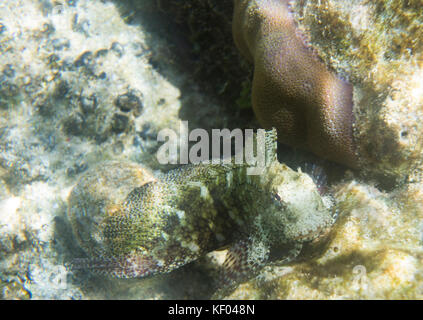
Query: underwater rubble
{"x":82,"y":82}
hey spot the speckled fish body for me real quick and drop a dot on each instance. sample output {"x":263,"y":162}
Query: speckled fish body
{"x":166,"y":221}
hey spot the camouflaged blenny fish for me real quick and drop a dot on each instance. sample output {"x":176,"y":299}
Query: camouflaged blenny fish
{"x":134,"y":224}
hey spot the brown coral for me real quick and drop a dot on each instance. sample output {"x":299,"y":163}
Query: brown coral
{"x":292,"y":89}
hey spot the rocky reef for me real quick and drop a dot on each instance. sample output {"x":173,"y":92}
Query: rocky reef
{"x":84,"y":82}
{"x":74,"y":91}
{"x":330,"y":86}
{"x":292,"y":90}
{"x":375,"y":252}
{"x":377,"y":46}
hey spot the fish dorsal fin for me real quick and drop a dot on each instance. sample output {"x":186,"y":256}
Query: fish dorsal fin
{"x":271,"y":146}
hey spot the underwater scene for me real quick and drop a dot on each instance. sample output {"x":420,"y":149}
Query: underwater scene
{"x":211,"y":149}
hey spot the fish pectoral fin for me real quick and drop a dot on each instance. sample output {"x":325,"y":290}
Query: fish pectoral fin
{"x":243,"y":260}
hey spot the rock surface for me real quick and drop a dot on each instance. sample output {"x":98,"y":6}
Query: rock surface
{"x":79,"y":85}
{"x":378,"y":47}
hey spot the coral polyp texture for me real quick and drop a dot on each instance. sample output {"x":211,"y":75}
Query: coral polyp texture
{"x":134,"y":225}
{"x":292,"y":89}
{"x":373,"y":122}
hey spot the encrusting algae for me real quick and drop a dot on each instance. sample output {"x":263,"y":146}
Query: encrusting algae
{"x":377,"y":46}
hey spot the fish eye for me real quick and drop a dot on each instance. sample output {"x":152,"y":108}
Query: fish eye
{"x":277,"y":199}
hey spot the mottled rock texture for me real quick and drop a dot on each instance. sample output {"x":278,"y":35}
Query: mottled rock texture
{"x":86,"y":81}
{"x":378,"y":47}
